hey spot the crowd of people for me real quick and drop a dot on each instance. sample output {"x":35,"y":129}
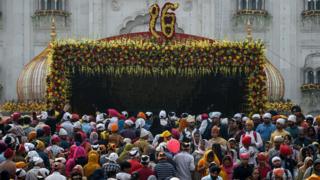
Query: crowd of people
{"x":113,"y":145}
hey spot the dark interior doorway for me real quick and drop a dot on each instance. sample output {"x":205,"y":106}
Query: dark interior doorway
{"x":179,"y":94}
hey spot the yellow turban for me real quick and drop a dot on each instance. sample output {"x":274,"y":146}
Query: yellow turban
{"x":21,"y":165}
{"x":249,"y":122}
{"x":40,"y":145}
{"x":165,"y":134}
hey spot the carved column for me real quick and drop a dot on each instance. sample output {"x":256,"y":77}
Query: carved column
{"x":239,"y":4}
{"x":55,"y":4}
{"x":305,"y":5}
{"x":39,"y":5}
{"x":63,"y":8}
{"x":46,"y":4}
{"x":247,"y":4}
{"x":257,"y":4}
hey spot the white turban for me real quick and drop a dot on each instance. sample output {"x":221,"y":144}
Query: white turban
{"x":162,"y":114}
{"x":43,"y":115}
{"x":129,"y":122}
{"x":214,"y":115}
{"x":267,"y":115}
{"x":292,"y":118}
{"x":278,"y":139}
{"x":276,"y":158}
{"x":66,"y":116}
{"x":256,"y":116}
{"x":309,"y":116}
{"x":190,"y":119}
{"x":77,"y":125}
{"x":99,"y":118}
{"x":100,"y":127}
{"x":144,"y":132}
{"x":140,"y":123}
{"x":238,"y":115}
{"x":244,"y":119}
{"x":281,"y":121}
{"x":62,"y":132}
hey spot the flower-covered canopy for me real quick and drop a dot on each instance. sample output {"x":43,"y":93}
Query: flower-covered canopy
{"x":141,"y":55}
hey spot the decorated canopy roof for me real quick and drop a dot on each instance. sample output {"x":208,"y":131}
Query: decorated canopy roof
{"x":31,"y":84}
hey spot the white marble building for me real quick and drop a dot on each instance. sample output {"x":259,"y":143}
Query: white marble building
{"x":289,"y":28}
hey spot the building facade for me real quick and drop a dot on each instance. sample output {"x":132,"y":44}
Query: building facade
{"x":290,"y":30}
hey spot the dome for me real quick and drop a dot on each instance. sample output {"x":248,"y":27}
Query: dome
{"x":275,"y":82}
{"x":31,"y":84}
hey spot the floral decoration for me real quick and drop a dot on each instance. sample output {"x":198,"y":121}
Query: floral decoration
{"x":154,"y":11}
{"x":27,"y":107}
{"x":145,"y":57}
{"x":283,"y":107}
{"x":168,"y":19}
{"x":309,"y":87}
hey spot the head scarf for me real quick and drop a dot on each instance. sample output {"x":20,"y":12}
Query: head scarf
{"x":93,"y":163}
{"x":94,"y":137}
{"x":229,"y":169}
{"x":203,"y":161}
{"x":197,"y":131}
{"x":125,"y":152}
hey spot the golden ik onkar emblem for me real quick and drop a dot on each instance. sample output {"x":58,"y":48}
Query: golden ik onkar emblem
{"x":167,"y":19}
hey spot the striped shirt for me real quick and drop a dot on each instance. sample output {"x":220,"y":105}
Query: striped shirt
{"x":164,"y":170}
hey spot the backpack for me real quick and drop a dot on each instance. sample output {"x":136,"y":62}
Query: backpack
{"x":207,"y":132}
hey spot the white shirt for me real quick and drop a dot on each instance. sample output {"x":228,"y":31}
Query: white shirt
{"x":254,"y":140}
{"x":56,"y":176}
{"x":253,"y":154}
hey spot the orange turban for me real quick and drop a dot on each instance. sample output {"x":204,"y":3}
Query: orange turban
{"x":215,"y":129}
{"x":278,"y":172}
{"x":32,"y":135}
{"x":114,"y":127}
{"x":182,"y":124}
{"x":142,"y":115}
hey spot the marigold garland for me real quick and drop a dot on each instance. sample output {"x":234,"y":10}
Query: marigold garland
{"x":283,"y":107}
{"x":27,"y":107}
{"x":144,"y":57}
{"x":309,"y":87}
